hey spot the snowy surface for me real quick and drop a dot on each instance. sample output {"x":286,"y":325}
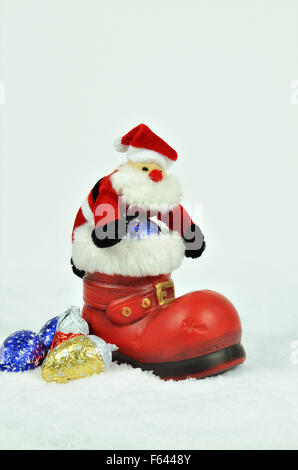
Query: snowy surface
{"x":252,"y":406}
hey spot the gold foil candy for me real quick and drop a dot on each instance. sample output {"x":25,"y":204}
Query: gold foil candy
{"x":77,"y":358}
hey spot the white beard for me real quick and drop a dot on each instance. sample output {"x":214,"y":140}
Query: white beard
{"x":137,"y":189}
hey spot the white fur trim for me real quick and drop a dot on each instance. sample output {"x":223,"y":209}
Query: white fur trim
{"x":150,"y":156}
{"x":137,"y":189}
{"x":130,"y":257}
{"x":87,"y":212}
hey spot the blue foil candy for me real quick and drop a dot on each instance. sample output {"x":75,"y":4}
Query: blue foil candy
{"x":23,"y":350}
{"x":48,"y":331}
{"x":140,"y":228}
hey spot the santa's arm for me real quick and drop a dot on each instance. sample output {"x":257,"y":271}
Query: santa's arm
{"x":102,"y":210}
{"x":178,"y":220}
{"x":110,"y":218}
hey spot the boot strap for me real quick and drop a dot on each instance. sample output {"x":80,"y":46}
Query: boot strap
{"x":133,"y":307}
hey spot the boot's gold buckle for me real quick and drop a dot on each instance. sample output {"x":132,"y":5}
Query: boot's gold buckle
{"x":165,"y":292}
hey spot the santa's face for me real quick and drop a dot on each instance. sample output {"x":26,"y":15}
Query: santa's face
{"x":155,"y":172}
{"x":146,"y":184}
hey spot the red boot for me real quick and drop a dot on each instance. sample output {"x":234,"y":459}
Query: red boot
{"x":196,"y":335}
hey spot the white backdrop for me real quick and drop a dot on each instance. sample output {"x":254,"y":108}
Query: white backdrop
{"x":213,"y":78}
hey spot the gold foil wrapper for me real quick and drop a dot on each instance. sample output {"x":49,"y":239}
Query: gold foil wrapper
{"x":73,"y":359}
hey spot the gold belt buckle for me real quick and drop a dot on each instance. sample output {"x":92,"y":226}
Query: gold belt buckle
{"x":162,"y":293}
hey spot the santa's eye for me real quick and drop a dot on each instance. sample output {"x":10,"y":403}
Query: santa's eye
{"x":145,"y":168}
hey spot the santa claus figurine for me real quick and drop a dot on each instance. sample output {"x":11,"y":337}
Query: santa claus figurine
{"x":129,"y":234}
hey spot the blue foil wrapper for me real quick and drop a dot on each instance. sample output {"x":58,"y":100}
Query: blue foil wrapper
{"x":140,"y":228}
{"x":48,"y":331}
{"x":23,"y":350}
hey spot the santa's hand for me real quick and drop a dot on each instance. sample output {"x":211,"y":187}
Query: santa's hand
{"x":105,"y":236}
{"x":194,"y":242}
{"x":78,"y":272}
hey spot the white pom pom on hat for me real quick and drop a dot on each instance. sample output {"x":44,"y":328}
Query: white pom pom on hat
{"x":119,"y":146}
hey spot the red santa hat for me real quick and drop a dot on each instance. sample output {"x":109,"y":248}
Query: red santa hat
{"x":142,"y":145}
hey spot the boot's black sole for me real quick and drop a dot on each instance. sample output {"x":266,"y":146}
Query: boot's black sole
{"x":195,"y":365}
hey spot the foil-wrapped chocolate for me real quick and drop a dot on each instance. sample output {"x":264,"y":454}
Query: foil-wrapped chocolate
{"x":48,"y":331}
{"x":22,"y":350}
{"x":76,"y":358}
{"x":63,"y":327}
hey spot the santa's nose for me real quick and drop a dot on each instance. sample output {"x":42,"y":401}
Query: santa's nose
{"x":156,"y":175}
